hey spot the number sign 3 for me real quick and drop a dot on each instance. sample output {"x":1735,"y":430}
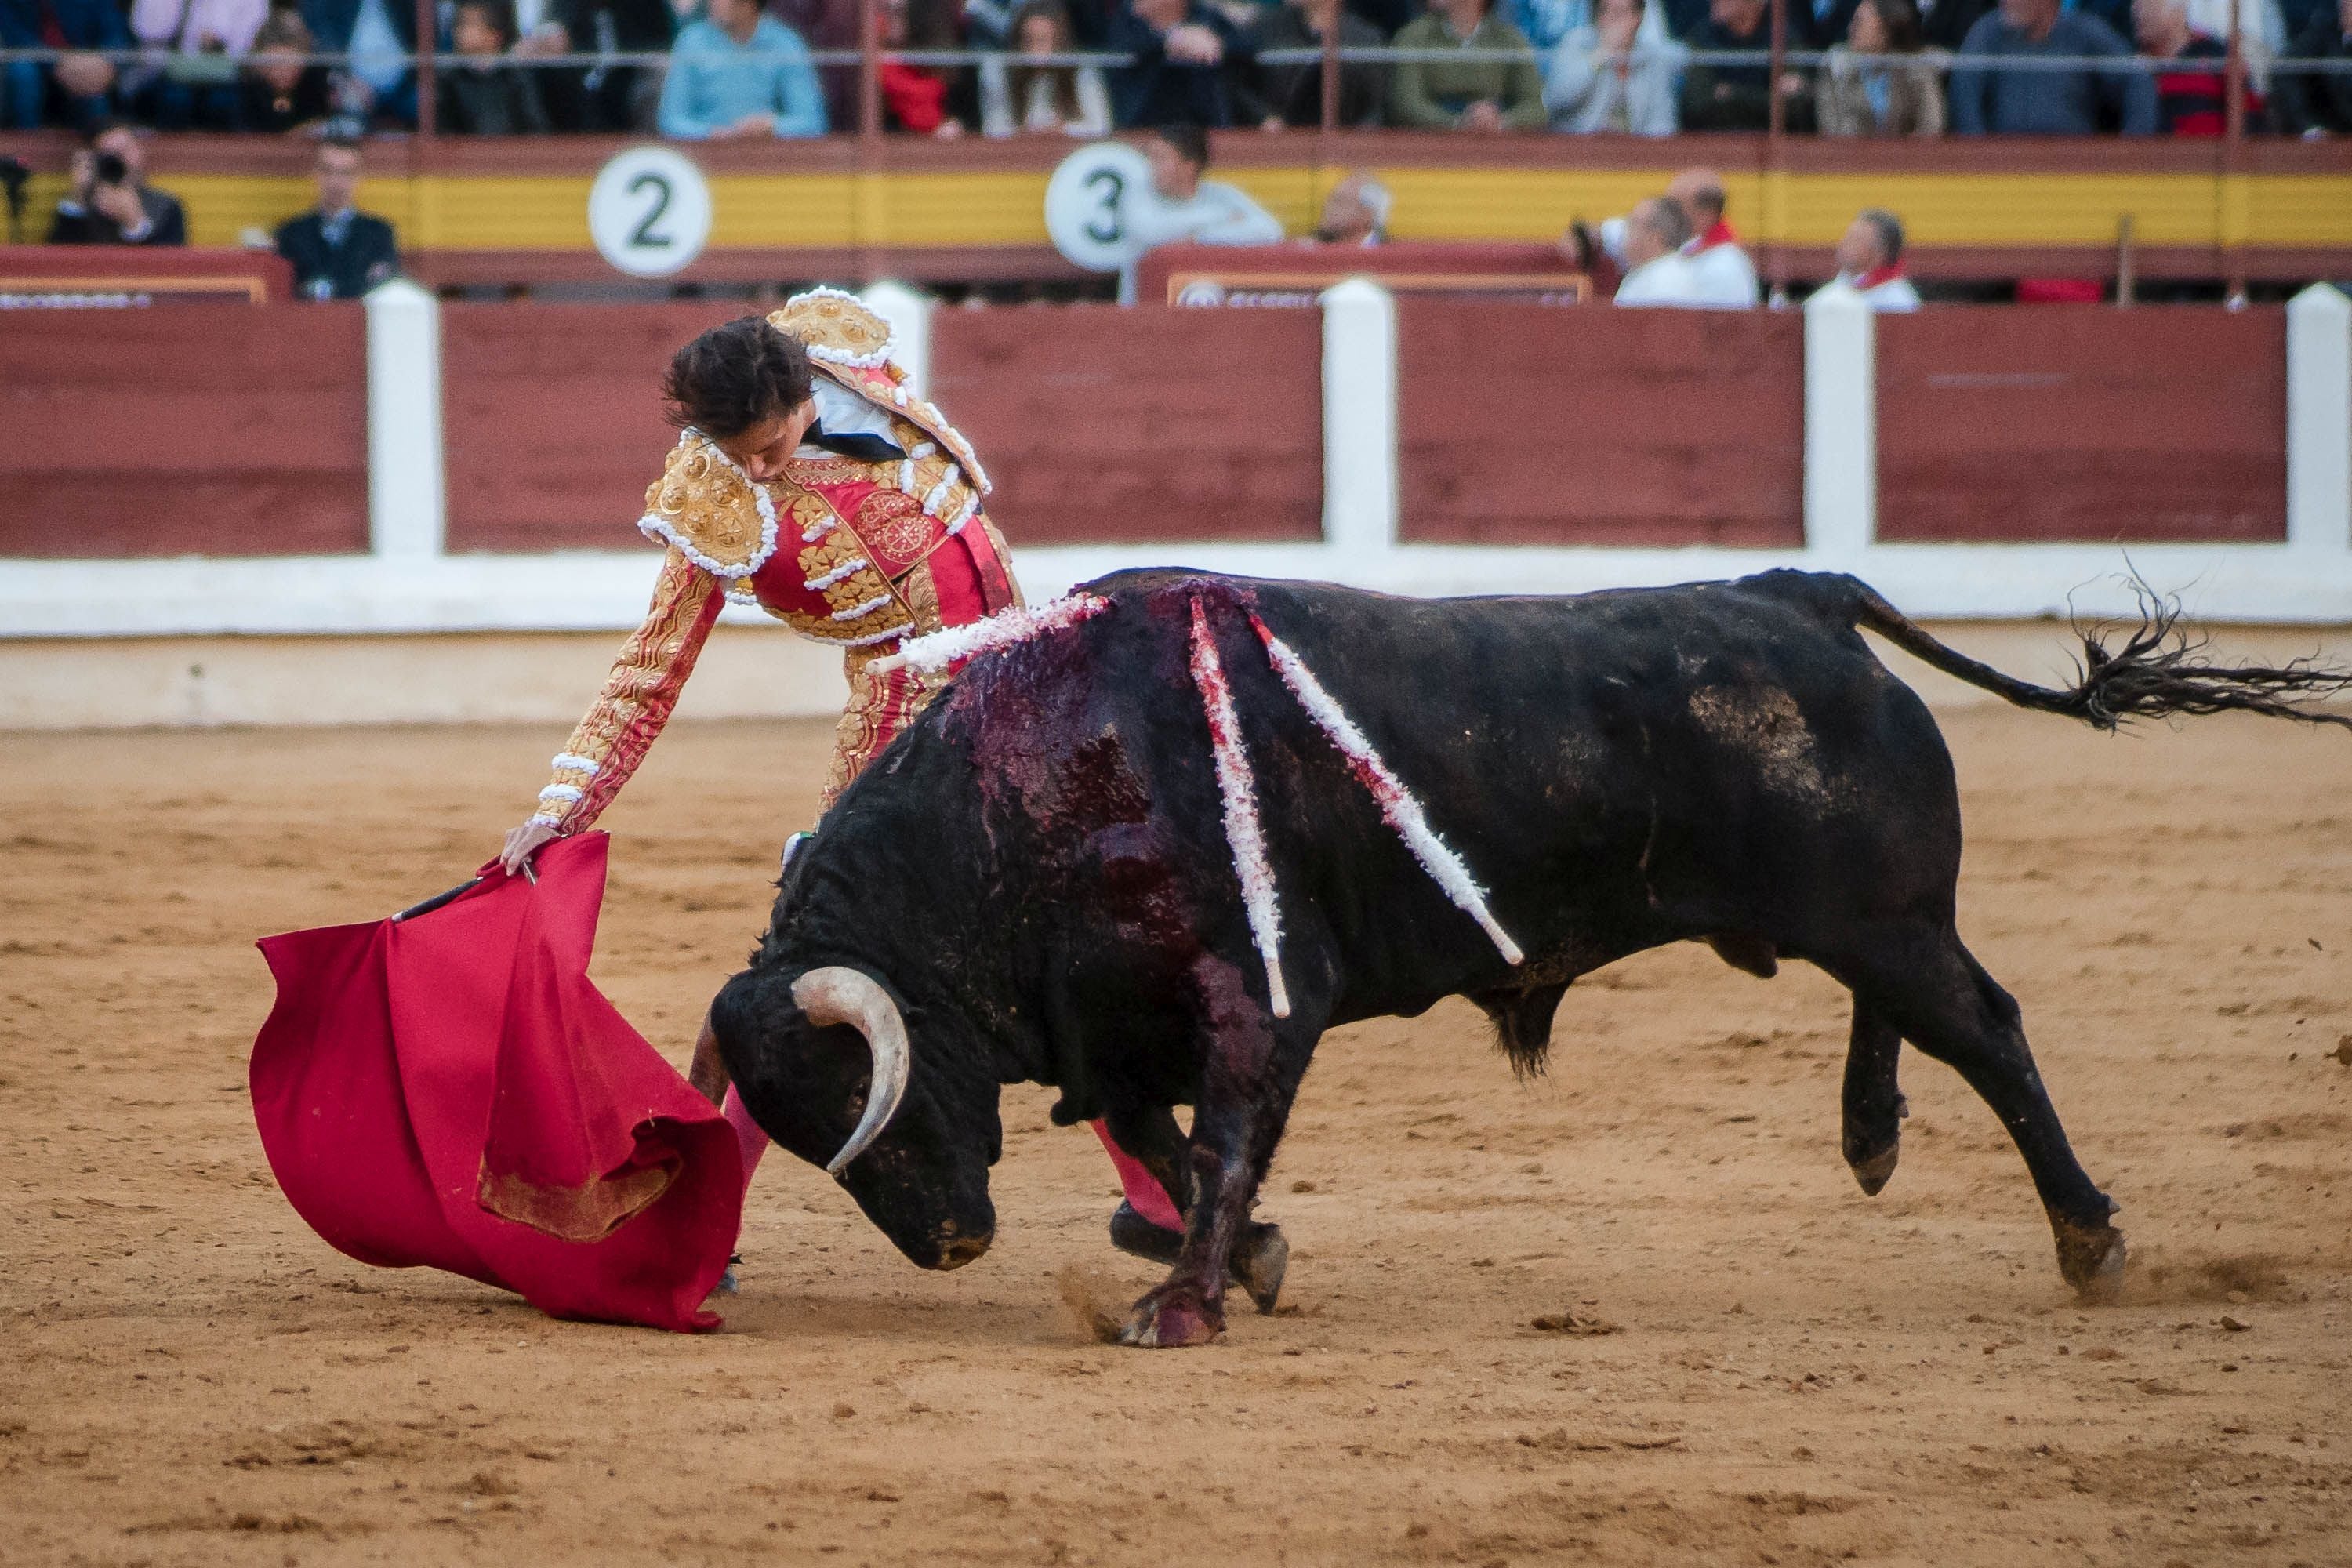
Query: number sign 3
{"x":1090,"y":203}
{"x":650,"y":212}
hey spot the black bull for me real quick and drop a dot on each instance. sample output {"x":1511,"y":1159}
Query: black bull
{"x":1038,"y":875}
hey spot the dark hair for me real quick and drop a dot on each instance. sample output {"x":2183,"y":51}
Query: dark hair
{"x":733,"y":377}
{"x":1061,"y":81}
{"x":1191,"y":142}
{"x":1906,"y":33}
{"x":1709,"y":201}
{"x":1887,"y":226}
{"x":499,"y":14}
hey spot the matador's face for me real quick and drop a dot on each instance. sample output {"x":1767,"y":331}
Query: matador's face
{"x":763,"y":449}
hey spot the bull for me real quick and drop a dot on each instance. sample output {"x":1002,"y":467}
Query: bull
{"x":1033,"y":883}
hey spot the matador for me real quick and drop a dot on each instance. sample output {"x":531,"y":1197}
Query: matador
{"x":809,"y":481}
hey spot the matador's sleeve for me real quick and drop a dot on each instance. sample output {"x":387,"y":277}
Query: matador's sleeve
{"x":638,"y":698}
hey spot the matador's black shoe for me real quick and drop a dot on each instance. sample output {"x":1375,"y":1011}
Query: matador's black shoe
{"x":1260,"y":1256}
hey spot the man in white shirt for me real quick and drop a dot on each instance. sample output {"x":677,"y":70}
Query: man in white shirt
{"x":1658,"y":271}
{"x":1182,"y":208}
{"x":1870,"y":261}
{"x":1724,"y":269}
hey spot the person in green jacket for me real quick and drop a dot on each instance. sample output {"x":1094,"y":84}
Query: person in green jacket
{"x":1472,"y":94}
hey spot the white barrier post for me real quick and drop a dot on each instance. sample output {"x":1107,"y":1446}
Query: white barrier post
{"x":2319,"y":419}
{"x":909,"y":315}
{"x":1359,"y":420}
{"x":1840,"y":424}
{"x":407,"y":505}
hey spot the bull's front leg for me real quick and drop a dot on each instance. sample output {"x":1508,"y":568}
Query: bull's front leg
{"x":1251,"y":1073}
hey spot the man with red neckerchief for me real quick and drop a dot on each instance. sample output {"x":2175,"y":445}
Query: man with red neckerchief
{"x":1870,"y":261}
{"x":807,"y":480}
{"x":1722,"y":270}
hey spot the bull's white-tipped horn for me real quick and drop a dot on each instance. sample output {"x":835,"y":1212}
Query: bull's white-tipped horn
{"x":839,"y":995}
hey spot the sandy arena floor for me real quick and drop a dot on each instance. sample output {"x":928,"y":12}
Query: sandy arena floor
{"x":1779,"y":1371}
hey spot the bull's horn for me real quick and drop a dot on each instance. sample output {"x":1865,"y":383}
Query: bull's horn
{"x":839,"y":995}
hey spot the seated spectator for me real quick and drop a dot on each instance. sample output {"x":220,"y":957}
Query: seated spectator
{"x":480,"y":93}
{"x":110,"y":201}
{"x":1022,"y":93}
{"x":1466,"y":95}
{"x":735,"y":73}
{"x":1188,"y":209}
{"x":1178,"y":75}
{"x":1874,"y":98}
{"x":1986,"y":100}
{"x":1870,"y":261}
{"x":2187,"y":102}
{"x":78,"y":90}
{"x":337,"y":251}
{"x":1355,"y":213}
{"x":276,"y":91}
{"x":599,"y":97}
{"x":192,"y":48}
{"x":1723,"y":269}
{"x":1272,"y":96}
{"x":917,"y":97}
{"x":377,"y":86}
{"x":1740,"y":96}
{"x":1658,"y":272}
{"x":2315,"y":103}
{"x":1604,"y":76}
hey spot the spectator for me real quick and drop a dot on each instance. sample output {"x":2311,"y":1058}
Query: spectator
{"x":1272,"y":96}
{"x":79,"y":88}
{"x":915,"y":97}
{"x":1355,"y":213}
{"x":1188,"y":209}
{"x":1466,"y":95}
{"x":1872,"y":98}
{"x":480,"y":92}
{"x":337,"y":251}
{"x":1020,"y":94}
{"x":380,"y":37}
{"x":278,"y":93}
{"x":192,"y":47}
{"x":1604,"y":76}
{"x":1657,"y":271}
{"x":1723,"y":270}
{"x":600,"y":96}
{"x":1740,"y":96}
{"x":1870,"y":261}
{"x":735,"y":72}
{"x":2053,"y":102}
{"x":1179,"y":76}
{"x":111,"y":203}
{"x":2315,"y":103}
{"x":2187,"y":102}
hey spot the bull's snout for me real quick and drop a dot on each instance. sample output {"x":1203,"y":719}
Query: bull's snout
{"x":952,"y":1247}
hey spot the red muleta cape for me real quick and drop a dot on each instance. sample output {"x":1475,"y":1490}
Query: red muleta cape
{"x":451,"y":1091}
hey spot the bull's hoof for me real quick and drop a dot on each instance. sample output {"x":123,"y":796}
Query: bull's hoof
{"x":1258,"y":1262}
{"x":2090,"y":1256}
{"x":1171,"y":1318}
{"x":1874,"y":1170}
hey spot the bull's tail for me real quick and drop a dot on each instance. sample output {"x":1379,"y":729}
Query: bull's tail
{"x":2158,"y":671}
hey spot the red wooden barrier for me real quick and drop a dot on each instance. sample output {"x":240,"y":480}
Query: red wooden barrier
{"x":1102,"y":426}
{"x":207,"y":429}
{"x":552,"y":418}
{"x":1596,"y":426}
{"x":1998,"y":424}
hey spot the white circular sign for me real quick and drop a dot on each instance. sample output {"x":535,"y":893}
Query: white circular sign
{"x":1091,"y":201}
{"x":650,"y":212}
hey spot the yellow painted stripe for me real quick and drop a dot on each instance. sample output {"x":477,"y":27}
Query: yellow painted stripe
{"x":784,"y":212}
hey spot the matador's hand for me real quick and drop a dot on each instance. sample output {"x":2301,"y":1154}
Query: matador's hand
{"x":522,"y":843}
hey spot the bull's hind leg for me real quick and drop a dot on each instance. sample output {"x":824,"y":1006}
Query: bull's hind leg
{"x":1874,"y":1108}
{"x":1924,"y":984}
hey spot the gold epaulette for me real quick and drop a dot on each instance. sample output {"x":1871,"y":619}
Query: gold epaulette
{"x":709,"y":509}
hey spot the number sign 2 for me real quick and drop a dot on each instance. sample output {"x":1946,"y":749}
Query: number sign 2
{"x":650,"y":212}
